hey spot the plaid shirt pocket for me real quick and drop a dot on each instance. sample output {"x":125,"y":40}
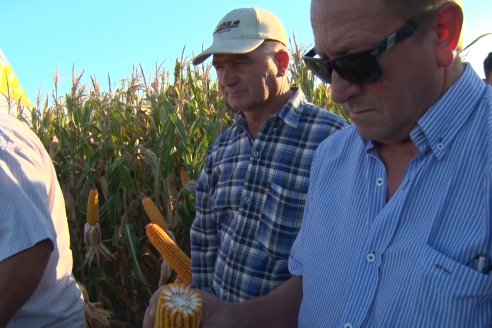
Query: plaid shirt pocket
{"x":280,"y":220}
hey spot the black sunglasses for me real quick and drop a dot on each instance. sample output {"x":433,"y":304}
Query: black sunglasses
{"x":361,"y":67}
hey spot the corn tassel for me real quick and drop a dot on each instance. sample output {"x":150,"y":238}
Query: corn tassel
{"x":178,"y":307}
{"x":93,"y":207}
{"x":153,"y":212}
{"x":171,"y":252}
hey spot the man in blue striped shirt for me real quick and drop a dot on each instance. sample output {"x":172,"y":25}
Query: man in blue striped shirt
{"x":397,"y":228}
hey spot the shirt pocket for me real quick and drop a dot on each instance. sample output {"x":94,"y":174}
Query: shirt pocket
{"x":280,"y":220}
{"x":451,"y":294}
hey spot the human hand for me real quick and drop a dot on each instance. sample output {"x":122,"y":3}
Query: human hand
{"x":149,"y":317}
{"x":216,"y":312}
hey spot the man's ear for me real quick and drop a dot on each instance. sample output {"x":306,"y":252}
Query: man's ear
{"x":449,"y":23}
{"x":283,"y":59}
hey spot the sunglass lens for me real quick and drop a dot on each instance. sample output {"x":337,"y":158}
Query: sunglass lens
{"x":359,"y":68}
{"x":322,"y":69}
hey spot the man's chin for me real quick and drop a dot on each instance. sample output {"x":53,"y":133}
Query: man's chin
{"x":232,"y":108}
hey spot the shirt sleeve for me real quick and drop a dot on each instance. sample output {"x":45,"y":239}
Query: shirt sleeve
{"x":297,"y":254}
{"x":24,"y":210}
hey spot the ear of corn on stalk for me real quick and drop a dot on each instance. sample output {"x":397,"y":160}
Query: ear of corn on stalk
{"x":178,"y":307}
{"x":171,"y":252}
{"x":92,"y":231}
{"x":153,"y":212}
{"x":93,"y":207}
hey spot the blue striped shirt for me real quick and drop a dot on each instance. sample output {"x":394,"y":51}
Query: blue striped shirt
{"x":423,"y":258}
{"x":250,"y":199}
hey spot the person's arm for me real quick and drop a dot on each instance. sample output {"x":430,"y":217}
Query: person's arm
{"x":20,"y":274}
{"x":279,"y":309}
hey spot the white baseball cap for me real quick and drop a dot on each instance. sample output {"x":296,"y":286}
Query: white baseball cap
{"x":243,"y":30}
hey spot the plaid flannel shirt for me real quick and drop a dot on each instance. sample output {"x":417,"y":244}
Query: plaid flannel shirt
{"x":250,"y":199}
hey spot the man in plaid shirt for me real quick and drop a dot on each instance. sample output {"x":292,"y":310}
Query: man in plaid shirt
{"x":251,"y":192}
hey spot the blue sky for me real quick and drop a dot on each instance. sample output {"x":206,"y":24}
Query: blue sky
{"x":112,"y":36}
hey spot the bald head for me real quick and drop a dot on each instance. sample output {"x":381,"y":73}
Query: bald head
{"x":415,"y":8}
{"x":332,"y":13}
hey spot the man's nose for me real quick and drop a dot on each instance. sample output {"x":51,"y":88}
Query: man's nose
{"x":342,"y":90}
{"x":229,"y":76}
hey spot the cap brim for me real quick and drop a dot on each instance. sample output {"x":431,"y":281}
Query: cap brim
{"x":229,"y":47}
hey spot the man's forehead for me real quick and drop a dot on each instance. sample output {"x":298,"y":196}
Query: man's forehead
{"x":336,"y":11}
{"x":220,"y":58}
{"x":337,"y":25}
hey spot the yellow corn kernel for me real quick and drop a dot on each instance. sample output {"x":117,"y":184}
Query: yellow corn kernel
{"x":171,"y":252}
{"x":153,"y":212}
{"x":93,"y":207}
{"x":178,"y":307}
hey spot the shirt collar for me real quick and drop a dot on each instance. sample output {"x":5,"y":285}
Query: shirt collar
{"x":290,"y":113}
{"x":441,"y":123}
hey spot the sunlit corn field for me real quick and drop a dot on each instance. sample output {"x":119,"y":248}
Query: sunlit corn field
{"x":146,"y":138}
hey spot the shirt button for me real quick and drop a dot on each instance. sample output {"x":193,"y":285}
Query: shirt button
{"x":234,"y":247}
{"x":371,"y":257}
{"x":440,"y":146}
{"x":255,"y":154}
{"x":379,"y":182}
{"x":246,"y":200}
{"x":347,"y":325}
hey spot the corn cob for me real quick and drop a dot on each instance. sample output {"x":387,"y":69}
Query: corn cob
{"x":178,"y":307}
{"x":153,"y":212}
{"x":93,"y":207}
{"x":171,"y":252}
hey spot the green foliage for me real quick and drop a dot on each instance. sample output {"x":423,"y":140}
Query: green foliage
{"x":136,"y":140}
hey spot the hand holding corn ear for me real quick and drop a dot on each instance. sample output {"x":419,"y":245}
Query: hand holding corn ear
{"x":92,"y":231}
{"x":178,"y":305}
